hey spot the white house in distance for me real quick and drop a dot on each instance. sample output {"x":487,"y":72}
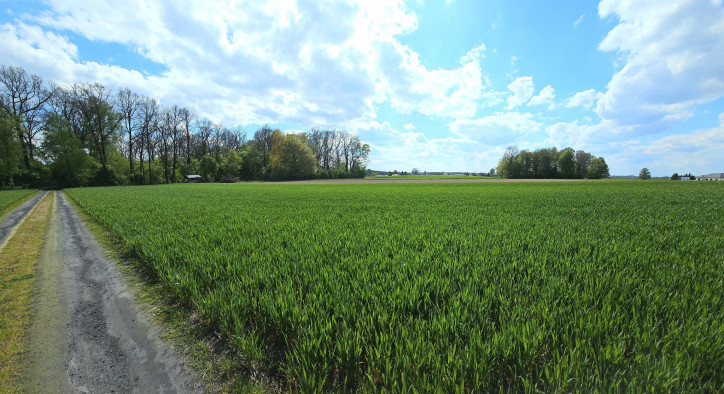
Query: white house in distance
{"x":717,"y":176}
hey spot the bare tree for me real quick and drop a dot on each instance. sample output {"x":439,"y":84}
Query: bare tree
{"x":63,"y":104}
{"x":205,"y":128}
{"x":186,"y":118}
{"x":24,"y":97}
{"x":149,"y":112}
{"x":99,"y":119}
{"x":217,"y":132}
{"x":164,"y":137}
{"x":263,"y":140}
{"x":175,"y":128}
{"x":128,"y":104}
{"x":358,"y":154}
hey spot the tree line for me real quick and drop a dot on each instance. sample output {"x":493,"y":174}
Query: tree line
{"x":84,"y":134}
{"x":550,"y":163}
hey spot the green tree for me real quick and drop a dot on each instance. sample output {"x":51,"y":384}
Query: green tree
{"x":645,"y":174}
{"x":11,"y":151}
{"x":231,"y":166}
{"x":583,"y":161}
{"x":567,"y":164}
{"x":70,"y":165}
{"x":251,"y":162}
{"x":506,"y":165}
{"x":291,"y":157}
{"x":208,"y":167}
{"x":675,"y":177}
{"x":598,"y":168}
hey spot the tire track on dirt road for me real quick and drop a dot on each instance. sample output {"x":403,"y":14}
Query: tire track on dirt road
{"x":14,"y":218}
{"x":88,"y":336}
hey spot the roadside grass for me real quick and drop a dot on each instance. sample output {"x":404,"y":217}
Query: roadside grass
{"x":11,"y":199}
{"x":17,"y":278}
{"x":207,"y":351}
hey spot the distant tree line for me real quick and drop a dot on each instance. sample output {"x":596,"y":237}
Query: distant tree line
{"x":550,"y":163}
{"x":687,"y":176}
{"x":84,"y":134}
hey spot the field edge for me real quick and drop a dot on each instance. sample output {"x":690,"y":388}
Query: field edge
{"x":209,"y":354}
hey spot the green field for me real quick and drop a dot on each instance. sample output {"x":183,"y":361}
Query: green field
{"x":446,"y":287}
{"x":9,"y":199}
{"x":431,"y":177}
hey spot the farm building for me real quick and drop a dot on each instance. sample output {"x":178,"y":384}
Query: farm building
{"x":717,"y":176}
{"x":193,"y":178}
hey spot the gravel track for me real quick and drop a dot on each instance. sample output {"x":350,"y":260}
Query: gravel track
{"x":15,"y":217}
{"x":87,"y":335}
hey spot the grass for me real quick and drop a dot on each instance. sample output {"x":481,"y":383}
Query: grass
{"x":444,"y":287}
{"x":11,"y":199}
{"x":17,"y":277}
{"x":432,"y":177}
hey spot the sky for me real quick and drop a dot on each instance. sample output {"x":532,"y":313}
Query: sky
{"x":439,"y":85}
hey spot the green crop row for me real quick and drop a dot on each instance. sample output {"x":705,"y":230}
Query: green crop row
{"x":9,"y":198}
{"x":446,"y":287}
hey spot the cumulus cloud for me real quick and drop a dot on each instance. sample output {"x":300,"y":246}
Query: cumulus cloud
{"x":498,"y":129}
{"x":690,"y":144}
{"x":522,"y":89}
{"x":545,"y":96}
{"x":584,"y":99}
{"x":697,"y":152}
{"x":279,"y":61}
{"x":671,"y":56}
{"x":392,"y":149}
{"x":410,"y":86}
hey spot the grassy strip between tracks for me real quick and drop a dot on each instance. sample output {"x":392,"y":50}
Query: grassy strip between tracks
{"x":17,"y":277}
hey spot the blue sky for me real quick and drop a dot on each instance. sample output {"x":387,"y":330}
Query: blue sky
{"x":438,"y":85}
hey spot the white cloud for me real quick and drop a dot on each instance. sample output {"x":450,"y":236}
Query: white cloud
{"x":404,"y":149}
{"x":502,"y":128}
{"x":522,"y":89}
{"x":578,"y":21}
{"x":697,"y":152}
{"x":672,"y":60}
{"x":409,"y":127}
{"x":545,"y":96}
{"x":410,"y":86}
{"x":584,"y":99}
{"x":256,"y":63}
{"x":690,"y":144}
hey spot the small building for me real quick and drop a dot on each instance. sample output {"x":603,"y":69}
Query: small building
{"x":684,"y":178}
{"x":193,"y":178}
{"x":717,"y":176}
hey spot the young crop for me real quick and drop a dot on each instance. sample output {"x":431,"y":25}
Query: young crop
{"x":446,"y":287}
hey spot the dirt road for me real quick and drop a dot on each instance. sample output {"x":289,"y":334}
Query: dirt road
{"x":13,"y":218}
{"x":87,"y":335}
